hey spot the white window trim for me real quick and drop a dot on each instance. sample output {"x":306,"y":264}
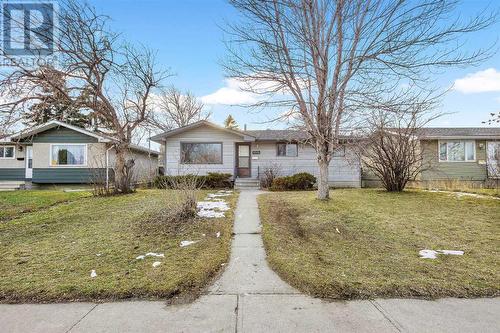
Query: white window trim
{"x":465,"y":147}
{"x":287,"y":143}
{"x":8,"y":158}
{"x":69,"y":165}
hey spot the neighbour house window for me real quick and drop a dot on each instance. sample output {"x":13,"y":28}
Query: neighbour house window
{"x":68,"y":155}
{"x":287,"y":149}
{"x":201,"y":153}
{"x":7,"y":151}
{"x":457,"y":151}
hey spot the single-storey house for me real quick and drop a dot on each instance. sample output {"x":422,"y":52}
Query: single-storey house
{"x":469,"y":155}
{"x":204,"y":147}
{"x":59,"y":153}
{"x":463,"y":154}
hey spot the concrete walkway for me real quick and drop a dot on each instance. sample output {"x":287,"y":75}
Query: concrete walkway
{"x":249,"y":297}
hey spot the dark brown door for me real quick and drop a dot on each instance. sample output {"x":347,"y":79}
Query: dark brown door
{"x":243,"y":160}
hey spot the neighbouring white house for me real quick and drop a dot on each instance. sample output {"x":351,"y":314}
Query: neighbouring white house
{"x":204,"y":147}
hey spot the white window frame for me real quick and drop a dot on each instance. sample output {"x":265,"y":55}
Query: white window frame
{"x":85,"y":155}
{"x":8,"y":158}
{"x":286,"y":149}
{"x":181,"y":157}
{"x":465,"y":151}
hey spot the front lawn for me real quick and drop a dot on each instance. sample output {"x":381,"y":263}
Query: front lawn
{"x":14,"y":203}
{"x":365,"y":243}
{"x":49,"y":255}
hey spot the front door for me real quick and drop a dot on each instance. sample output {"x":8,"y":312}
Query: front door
{"x":243,"y":160}
{"x":29,"y":162}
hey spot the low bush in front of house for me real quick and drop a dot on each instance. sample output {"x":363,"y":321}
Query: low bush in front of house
{"x":212,"y":180}
{"x":298,"y":181}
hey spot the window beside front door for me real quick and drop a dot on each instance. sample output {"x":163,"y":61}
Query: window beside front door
{"x":457,"y":151}
{"x":201,"y":153}
{"x":7,"y":152}
{"x":68,"y":155}
{"x":287,"y":149}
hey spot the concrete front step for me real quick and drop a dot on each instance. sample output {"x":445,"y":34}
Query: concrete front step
{"x":247,"y":183}
{"x":247,"y":180}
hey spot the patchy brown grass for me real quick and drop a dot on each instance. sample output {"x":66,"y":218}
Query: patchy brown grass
{"x":365,"y":243}
{"x":15,"y":203}
{"x":48,"y":255}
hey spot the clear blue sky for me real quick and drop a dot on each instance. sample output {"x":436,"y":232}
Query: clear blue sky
{"x":188,"y":38}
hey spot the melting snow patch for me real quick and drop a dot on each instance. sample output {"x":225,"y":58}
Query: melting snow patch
{"x":219,"y":205}
{"x":93,"y":274}
{"x":432,"y":254}
{"x":150,"y":254}
{"x":465,"y":194}
{"x":187,"y":243}
{"x":452,"y":252}
{"x":210,"y":213}
{"x":156,"y":263}
{"x":218,"y":194}
{"x":212,"y":208}
{"x":427,"y":254}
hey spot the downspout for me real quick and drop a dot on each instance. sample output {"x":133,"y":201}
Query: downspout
{"x":107,"y":167}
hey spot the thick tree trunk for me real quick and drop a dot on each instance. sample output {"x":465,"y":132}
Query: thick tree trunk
{"x":122,"y":179}
{"x":323,"y":188}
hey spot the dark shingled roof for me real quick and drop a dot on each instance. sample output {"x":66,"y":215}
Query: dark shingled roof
{"x":285,"y":135}
{"x":443,"y":132}
{"x":278,"y":135}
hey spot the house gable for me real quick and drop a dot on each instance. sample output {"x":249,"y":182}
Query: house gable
{"x":62,"y":135}
{"x":204,"y":125}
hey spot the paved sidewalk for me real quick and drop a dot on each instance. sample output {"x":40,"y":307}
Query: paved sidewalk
{"x":249,"y":297}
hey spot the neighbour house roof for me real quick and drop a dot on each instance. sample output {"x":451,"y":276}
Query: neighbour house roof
{"x":459,"y":133}
{"x":163,"y":136}
{"x":279,"y":135}
{"x":55,"y":123}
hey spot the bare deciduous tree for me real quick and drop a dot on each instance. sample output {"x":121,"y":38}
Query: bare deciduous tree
{"x":175,"y":109}
{"x":112,"y":79}
{"x":328,"y":61}
{"x":392,"y":150}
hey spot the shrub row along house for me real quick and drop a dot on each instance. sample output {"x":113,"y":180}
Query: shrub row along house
{"x":56,"y":153}
{"x":59,"y":153}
